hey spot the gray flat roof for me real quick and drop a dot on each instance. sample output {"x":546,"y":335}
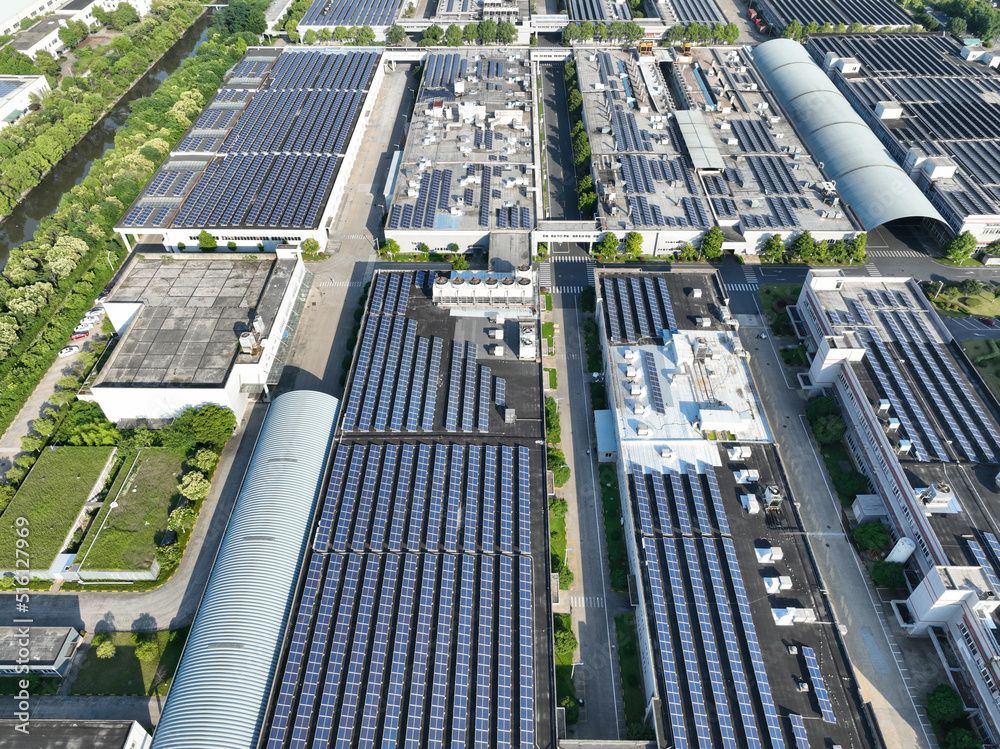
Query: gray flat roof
{"x":30,"y":37}
{"x":66,"y":734}
{"x":698,"y":139}
{"x":46,"y":643}
{"x":193,"y":311}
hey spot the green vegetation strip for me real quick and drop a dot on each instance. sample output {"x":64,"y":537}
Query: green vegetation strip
{"x":988,"y":368}
{"x":50,"y":499}
{"x":633,"y":692}
{"x":774,"y":299}
{"x":132,"y":531}
{"x":125,"y":673}
{"x":565,"y":685}
{"x":617,"y":559}
{"x":553,"y":382}
{"x":557,"y":542}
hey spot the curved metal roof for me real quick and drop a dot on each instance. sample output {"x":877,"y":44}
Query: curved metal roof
{"x":219,"y":694}
{"x":868,"y":179}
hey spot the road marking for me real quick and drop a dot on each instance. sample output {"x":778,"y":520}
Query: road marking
{"x":586,"y":602}
{"x":571,"y":259}
{"x":330,"y":282}
{"x":872,"y":270}
{"x":896,"y":253}
{"x":545,"y":275}
{"x":741,"y":286}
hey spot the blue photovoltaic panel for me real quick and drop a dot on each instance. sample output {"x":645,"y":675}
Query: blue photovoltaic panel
{"x":799,"y":731}
{"x":350,"y":499}
{"x":904,"y":417}
{"x":403,"y":382}
{"x":819,"y":685}
{"x":420,"y":485}
{"x":360,"y":373}
{"x":484,"y":673}
{"x":371,"y":718}
{"x":419,"y":372}
{"x":642,"y":500}
{"x":504,"y":652}
{"x":382,"y":503}
{"x":700,"y":509}
{"x":675,"y":703}
{"x":524,"y":499}
{"x":314,"y":667}
{"x":506,"y":500}
{"x":680,"y":503}
{"x":611,"y":304}
{"x":720,"y":511}
{"x":422,"y":640}
{"x":402,"y":499}
{"x":718,"y":678}
{"x":469,"y":394}
{"x":665,"y":296}
{"x":296,"y":653}
{"x":642,"y":311}
{"x":435,"y":506}
{"x":324,"y":528}
{"x":353,"y":685}
{"x":967,"y":392}
{"x":744,"y":697}
{"x":653,"y":378}
{"x":527,"y":663}
{"x":389,"y":379}
{"x":501,"y":394}
{"x":442,"y":652}
{"x":485,"y":381}
{"x":454,"y":499}
{"x":689,"y":651}
{"x":432,"y":385}
{"x":463,"y":653}
{"x":654,"y":306}
{"x":374,"y":378}
{"x":627,"y":318}
{"x":400,"y":657}
{"x":982,"y":561}
{"x":753,"y":646}
{"x":662,"y":503}
{"x":471,"y":499}
{"x":489,"y":498}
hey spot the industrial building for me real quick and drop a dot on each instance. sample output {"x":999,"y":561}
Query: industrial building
{"x":424,"y":616}
{"x":734,"y":630}
{"x":933,"y":105}
{"x":74,"y":734}
{"x":15,"y":95}
{"x":328,"y":14}
{"x":266,"y":162}
{"x":924,"y":432}
{"x":44,"y":35}
{"x":50,"y":650}
{"x":196,"y":329}
{"x":683,"y":143}
{"x":876,"y":14}
{"x":468,"y":165}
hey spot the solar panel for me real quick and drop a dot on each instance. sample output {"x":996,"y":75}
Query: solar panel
{"x":349,"y":499}
{"x":489,"y":498}
{"x":381,"y":519}
{"x":436,"y":503}
{"x":463,"y":648}
{"x":324,"y":528}
{"x":641,"y":308}
{"x":389,"y":378}
{"x":454,"y":499}
{"x":526,"y":661}
{"x":501,"y":393}
{"x":799,"y":731}
{"x":653,"y":380}
{"x":819,"y":686}
{"x":626,"y":310}
{"x":642,"y":500}
{"x":420,"y":484}
{"x":442,"y":653}
{"x":422,"y":640}
{"x":890,"y":391}
{"x":372,"y":718}
{"x":506,"y":500}
{"x":378,"y":357}
{"x":484,"y":673}
{"x":454,"y":385}
{"x":504,"y":653}
{"x":654,"y":306}
{"x":662,"y":504}
{"x":469,"y":394}
{"x":403,"y":381}
{"x":524,"y":499}
{"x":667,"y":307}
{"x":402,"y":498}
{"x":716,"y":495}
{"x":485,"y":382}
{"x":419,"y":372}
{"x":680,"y":503}
{"x":472,"y":486}
{"x":700,"y":509}
{"x":611,"y":305}
{"x":353,"y":684}
{"x":432,"y":385}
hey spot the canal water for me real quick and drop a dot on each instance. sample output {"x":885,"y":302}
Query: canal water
{"x":75,"y":165}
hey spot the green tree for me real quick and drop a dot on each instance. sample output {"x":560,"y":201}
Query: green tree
{"x":206,"y":242}
{"x":453,"y":36}
{"x":123,"y":16}
{"x":488,"y":31}
{"x":325,"y":35}
{"x":773,"y":249}
{"x":240,"y":15}
{"x":804,"y":246}
{"x":634,"y":32}
{"x":957,"y":26}
{"x":310,"y":37}
{"x":711,"y":243}
{"x":204,"y":460}
{"x":565,"y":643}
{"x":460,"y":263}
{"x":872,"y":536}
{"x":792,"y":31}
{"x":194,"y":486}
{"x":471,"y":33}
{"x":506,"y":32}
{"x":558,"y":507}
{"x":390,"y":247}
{"x":826,"y":28}
{"x":961,"y":738}
{"x":608,"y":246}
{"x":395,"y":35}
{"x":431,"y":37}
{"x":600,"y":32}
{"x":888,"y":574}
{"x":585,"y":31}
{"x":855,"y":28}
{"x":310,"y":246}
{"x":633,"y":245}
{"x":553,"y":431}
{"x":810,"y":28}
{"x":365,"y":37}
{"x":824,"y":405}
{"x":183,"y":518}
{"x":971,"y":287}
{"x":944,"y":705}
{"x":859,"y":248}
{"x":106,"y":650}
{"x":829,"y":429}
{"x":213,"y":425}
{"x":147,"y":651}
{"x":960,"y":248}
{"x":46,"y":63}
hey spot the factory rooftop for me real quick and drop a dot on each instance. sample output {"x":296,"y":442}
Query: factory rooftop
{"x":264,"y":153}
{"x":936,"y":108}
{"x":468,"y":161}
{"x":186,"y":316}
{"x":73,"y":734}
{"x":877,"y":13}
{"x":738,"y":624}
{"x":938,"y":412}
{"x":690,"y":143}
{"x":28,"y":38}
{"x":427,"y":578}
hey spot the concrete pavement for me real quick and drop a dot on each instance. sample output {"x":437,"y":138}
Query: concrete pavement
{"x":879,"y":652}
{"x":558,"y":145}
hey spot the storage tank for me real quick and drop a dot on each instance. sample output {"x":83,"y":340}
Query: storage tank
{"x":901,"y":551}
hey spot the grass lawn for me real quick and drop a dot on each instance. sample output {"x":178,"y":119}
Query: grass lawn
{"x":565,"y":686}
{"x":990,"y":371}
{"x":548,"y":302}
{"x":125,"y":674}
{"x":774,"y":297}
{"x":549,"y":332}
{"x":38,"y":685}
{"x":795,"y":357}
{"x":987,"y":306}
{"x":50,"y":498}
{"x":617,"y":559}
{"x":847,"y":483}
{"x":631,"y":670}
{"x":133,"y":529}
{"x":598,"y":396}
{"x":553,"y":383}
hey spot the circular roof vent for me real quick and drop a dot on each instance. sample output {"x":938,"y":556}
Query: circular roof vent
{"x":475,"y":281}
{"x":490,"y":281}
{"x":508,"y":282}
{"x":457,"y":281}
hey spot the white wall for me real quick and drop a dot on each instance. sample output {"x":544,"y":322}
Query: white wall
{"x":22,"y":99}
{"x":157,"y":403}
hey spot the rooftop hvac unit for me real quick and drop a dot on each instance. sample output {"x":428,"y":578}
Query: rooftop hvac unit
{"x":642,"y":430}
{"x":904,"y":447}
{"x":630,"y":371}
{"x":629,"y":355}
{"x":639,"y":409}
{"x":883,"y":407}
{"x":893,"y":425}
{"x":666,"y":453}
{"x":633,"y":388}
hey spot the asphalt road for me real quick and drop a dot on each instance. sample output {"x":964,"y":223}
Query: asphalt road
{"x":558,"y":145}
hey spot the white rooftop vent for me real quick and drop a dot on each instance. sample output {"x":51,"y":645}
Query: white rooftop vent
{"x":642,"y":430}
{"x":739,"y":452}
{"x":639,"y":409}
{"x":629,"y":355}
{"x":696,"y":293}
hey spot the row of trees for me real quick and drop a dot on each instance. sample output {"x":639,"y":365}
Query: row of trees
{"x":361,"y":36}
{"x":721,"y":33}
{"x":485,"y":32}
{"x":609,"y":248}
{"x":974,"y":17}
{"x":615,"y":32}
{"x":30,"y":147}
{"x":796,"y":30}
{"x":49,"y":280}
{"x":806,"y":249}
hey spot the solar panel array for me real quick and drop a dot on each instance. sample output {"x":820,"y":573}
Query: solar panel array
{"x":273,"y":151}
{"x":819,"y":685}
{"x":332,"y":13}
{"x":636,"y":311}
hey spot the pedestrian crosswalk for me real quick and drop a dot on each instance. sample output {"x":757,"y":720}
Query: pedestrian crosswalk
{"x":896,"y":253}
{"x":872,"y":269}
{"x":545,"y":275}
{"x":566,"y":258}
{"x":741,"y":286}
{"x":591,"y":277}
{"x":586,"y":602}
{"x":567,"y":289}
{"x":328,"y":282}
{"x":750,"y":275}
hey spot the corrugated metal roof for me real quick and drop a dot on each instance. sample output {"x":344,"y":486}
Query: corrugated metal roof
{"x":218,"y":696}
{"x":869,"y":181}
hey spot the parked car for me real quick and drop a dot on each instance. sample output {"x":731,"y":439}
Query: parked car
{"x":991,"y":321}
{"x":78,"y":336}
{"x":82,"y":329}
{"x":68,"y":351}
